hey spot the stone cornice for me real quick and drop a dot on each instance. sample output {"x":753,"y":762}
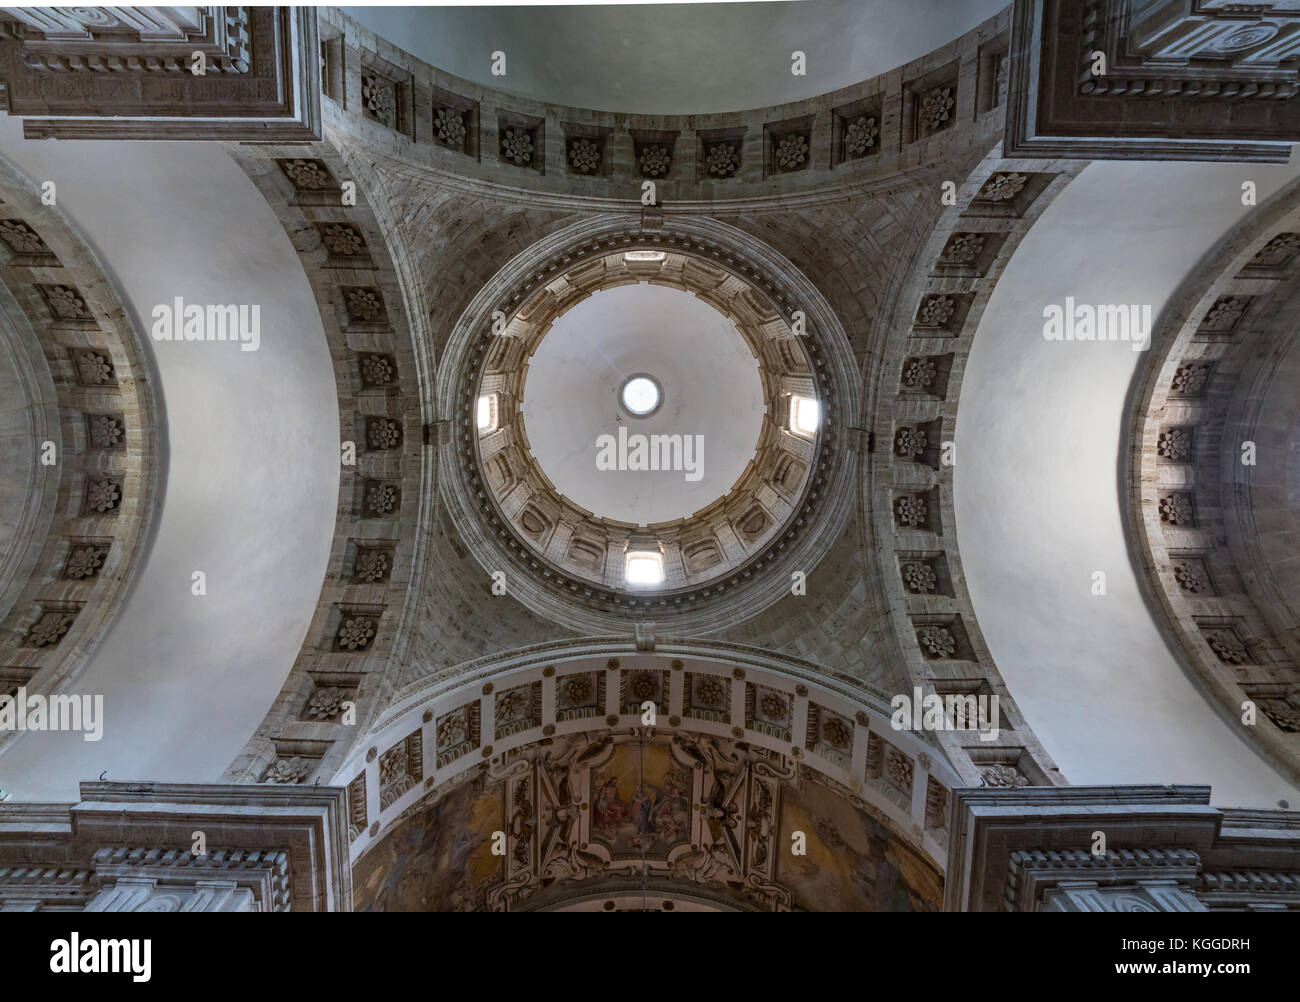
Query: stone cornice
{"x":127,"y":78}
{"x":994,"y":833}
{"x":285,"y":847}
{"x":1208,"y":88}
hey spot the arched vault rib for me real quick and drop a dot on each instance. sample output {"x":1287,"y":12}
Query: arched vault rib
{"x":1040,"y":495}
{"x":84,"y":392}
{"x":930,"y":326}
{"x":361,"y":624}
{"x":1211,"y":477}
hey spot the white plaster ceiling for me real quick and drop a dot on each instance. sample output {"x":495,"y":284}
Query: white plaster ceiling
{"x":711,"y":388}
{"x":676,"y":59}
{"x":1037,"y":487}
{"x":250,"y":486}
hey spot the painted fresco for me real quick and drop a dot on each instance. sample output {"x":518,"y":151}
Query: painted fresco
{"x":853,"y":863}
{"x":632,"y":816}
{"x":582,"y":812}
{"x":438,"y":859}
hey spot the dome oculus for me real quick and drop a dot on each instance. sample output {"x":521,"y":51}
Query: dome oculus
{"x":640,"y":395}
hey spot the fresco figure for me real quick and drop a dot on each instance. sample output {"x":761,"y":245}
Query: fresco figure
{"x":608,"y":810}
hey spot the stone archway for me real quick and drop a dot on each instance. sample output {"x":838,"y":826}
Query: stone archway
{"x":754,"y":748}
{"x":1212,"y":478}
{"x":82,"y":446}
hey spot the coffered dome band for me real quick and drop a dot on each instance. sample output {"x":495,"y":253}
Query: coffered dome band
{"x":505,"y":503}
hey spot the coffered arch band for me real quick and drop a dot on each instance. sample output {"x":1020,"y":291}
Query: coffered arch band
{"x":929,"y":330}
{"x":362,"y":621}
{"x":84,"y":441}
{"x":1211,"y":477}
{"x":434,"y":733}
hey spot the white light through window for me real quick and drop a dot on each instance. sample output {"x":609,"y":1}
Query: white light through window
{"x":640,"y":395}
{"x":644,"y":255}
{"x":487,"y":413}
{"x":805,"y":416}
{"x":644,"y":569}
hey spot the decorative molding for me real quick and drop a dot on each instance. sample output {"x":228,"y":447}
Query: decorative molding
{"x":1126,"y":848}
{"x":1214,"y":83}
{"x":126,"y":73}
{"x":267,"y":849}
